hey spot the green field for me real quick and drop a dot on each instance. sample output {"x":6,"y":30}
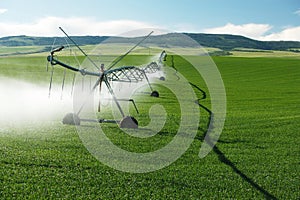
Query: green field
{"x":256,"y":157}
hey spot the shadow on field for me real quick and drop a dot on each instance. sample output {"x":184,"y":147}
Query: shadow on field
{"x":222,"y":157}
{"x":228,"y":162}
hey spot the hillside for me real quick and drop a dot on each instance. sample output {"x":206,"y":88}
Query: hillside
{"x":23,"y":40}
{"x":221,"y":41}
{"x":229,"y":42}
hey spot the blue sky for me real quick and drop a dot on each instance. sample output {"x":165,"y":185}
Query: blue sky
{"x":258,"y":19}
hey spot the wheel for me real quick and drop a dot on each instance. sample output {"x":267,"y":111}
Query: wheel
{"x":154,"y":94}
{"x":162,"y":78}
{"x":71,"y":119}
{"x":128,"y":122}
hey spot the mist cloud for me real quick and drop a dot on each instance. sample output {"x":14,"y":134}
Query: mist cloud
{"x":23,"y":102}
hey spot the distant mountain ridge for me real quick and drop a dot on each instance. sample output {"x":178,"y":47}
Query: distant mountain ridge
{"x":23,"y":40}
{"x":229,"y":42}
{"x":221,"y":41}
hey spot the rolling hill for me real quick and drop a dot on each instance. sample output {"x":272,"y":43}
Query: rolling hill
{"x":221,"y":41}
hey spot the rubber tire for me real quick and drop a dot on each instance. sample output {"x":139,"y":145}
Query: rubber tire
{"x":71,"y":119}
{"x":128,"y":122}
{"x":154,"y":94}
{"x":162,"y":78}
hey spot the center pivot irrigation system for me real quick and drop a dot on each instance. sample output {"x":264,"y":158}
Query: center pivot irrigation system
{"x":118,"y":74}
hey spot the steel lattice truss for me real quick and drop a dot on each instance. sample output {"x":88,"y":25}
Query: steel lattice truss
{"x":131,"y":73}
{"x":125,"y":74}
{"x":119,"y":74}
{"x":151,"y":68}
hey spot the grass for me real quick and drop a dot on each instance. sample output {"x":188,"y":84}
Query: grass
{"x":256,"y":157}
{"x":20,"y":50}
{"x":101,"y":49}
{"x":256,"y":53}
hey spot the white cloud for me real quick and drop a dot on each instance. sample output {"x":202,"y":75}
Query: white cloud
{"x":2,"y":10}
{"x":297,"y":12}
{"x":288,"y":34}
{"x":48,"y":26}
{"x":249,"y":30}
{"x":258,"y":32}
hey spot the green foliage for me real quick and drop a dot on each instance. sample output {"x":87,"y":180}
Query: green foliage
{"x":220,"y":53}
